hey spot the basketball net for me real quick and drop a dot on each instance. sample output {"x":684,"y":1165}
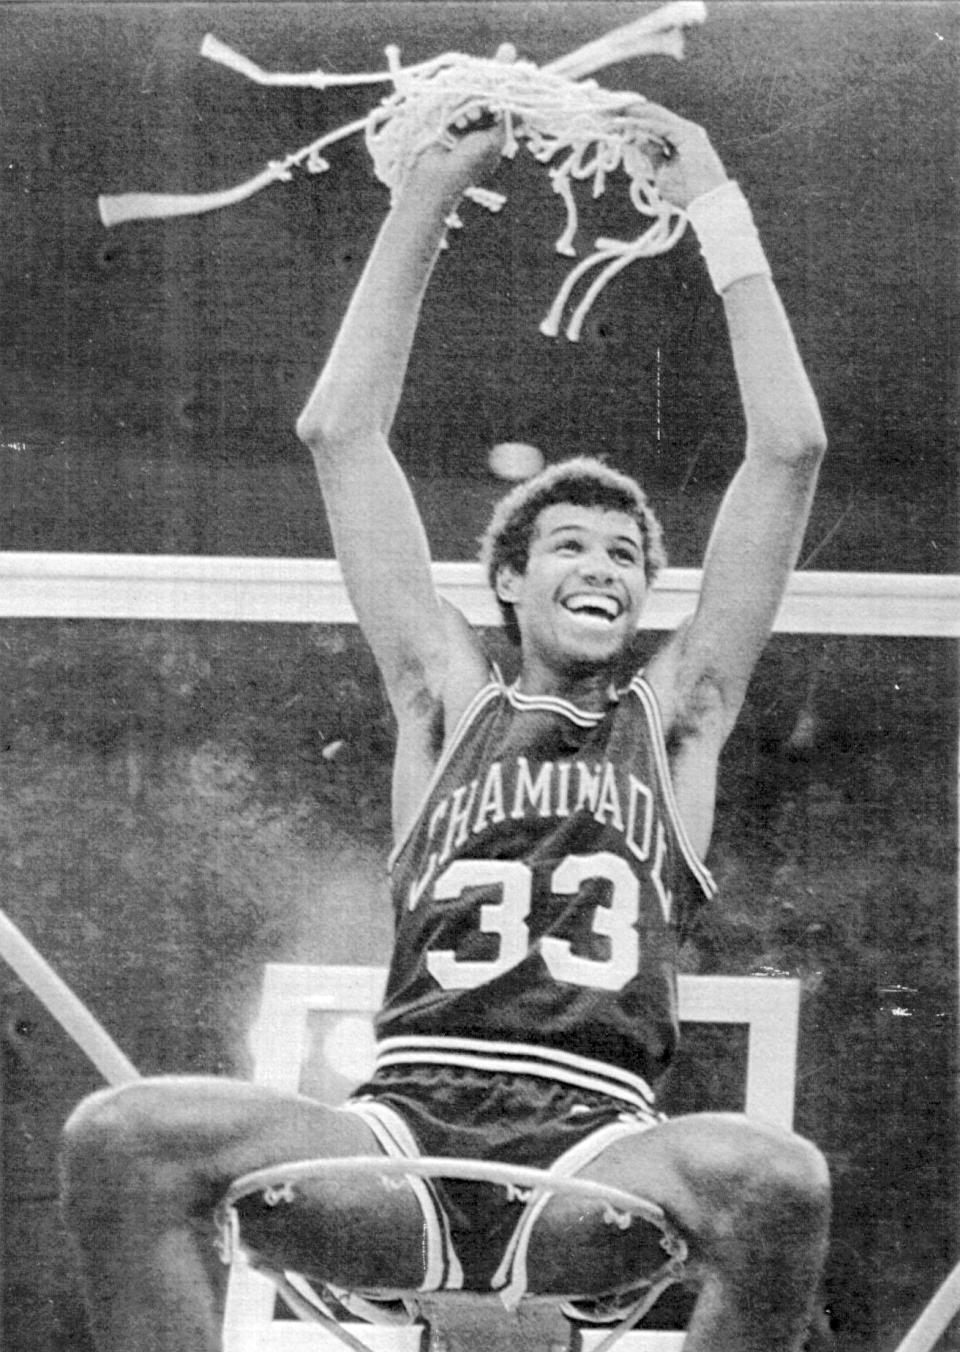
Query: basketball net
{"x":583,"y":132}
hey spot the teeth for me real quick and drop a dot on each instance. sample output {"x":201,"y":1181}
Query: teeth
{"x":603,"y":605}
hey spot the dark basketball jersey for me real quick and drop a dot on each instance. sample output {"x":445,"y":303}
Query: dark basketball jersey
{"x":540,"y":896}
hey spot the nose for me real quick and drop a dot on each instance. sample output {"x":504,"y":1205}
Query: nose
{"x":596,"y":567}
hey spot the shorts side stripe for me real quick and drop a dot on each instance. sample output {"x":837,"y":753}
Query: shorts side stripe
{"x":511,"y":1275}
{"x":441,"y":1266}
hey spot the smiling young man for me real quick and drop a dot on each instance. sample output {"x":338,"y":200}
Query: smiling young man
{"x":549,"y":838}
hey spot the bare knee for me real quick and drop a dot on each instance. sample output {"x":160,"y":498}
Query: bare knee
{"x":119,"y":1149}
{"x":97,"y":1136}
{"x":771,"y":1185}
{"x":795,"y":1183}
{"x":93,"y":1132}
{"x":767,"y":1247}
{"x":110,"y":1124}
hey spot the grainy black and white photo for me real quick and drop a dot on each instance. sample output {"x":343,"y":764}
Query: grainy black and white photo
{"x":479,"y":600}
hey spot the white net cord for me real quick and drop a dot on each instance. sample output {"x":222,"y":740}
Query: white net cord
{"x":582,"y":131}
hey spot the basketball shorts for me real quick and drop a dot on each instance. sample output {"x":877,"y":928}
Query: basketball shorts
{"x":476,"y":1234}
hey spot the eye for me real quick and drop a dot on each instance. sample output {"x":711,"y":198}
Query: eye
{"x":568,"y":546}
{"x":623,"y":554}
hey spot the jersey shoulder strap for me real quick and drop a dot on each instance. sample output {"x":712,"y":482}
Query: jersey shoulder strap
{"x":487,"y":697}
{"x":644,"y":692}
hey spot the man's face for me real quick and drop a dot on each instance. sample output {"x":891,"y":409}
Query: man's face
{"x":578,"y":602}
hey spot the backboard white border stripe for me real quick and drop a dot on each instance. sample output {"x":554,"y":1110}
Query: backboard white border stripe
{"x":311,"y":591}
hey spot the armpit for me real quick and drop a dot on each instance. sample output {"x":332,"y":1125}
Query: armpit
{"x":700,"y":712}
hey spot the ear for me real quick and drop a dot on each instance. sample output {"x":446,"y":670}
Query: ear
{"x":507,"y":585}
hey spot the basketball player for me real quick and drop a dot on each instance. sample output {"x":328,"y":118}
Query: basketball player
{"x":549,"y":847}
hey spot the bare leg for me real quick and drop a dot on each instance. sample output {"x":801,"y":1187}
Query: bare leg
{"x":144,"y":1167}
{"x":753,"y":1204}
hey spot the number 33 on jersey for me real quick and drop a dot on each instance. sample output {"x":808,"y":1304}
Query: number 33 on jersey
{"x":540,"y":895}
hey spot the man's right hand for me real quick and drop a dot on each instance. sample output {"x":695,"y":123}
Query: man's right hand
{"x":442,"y":173}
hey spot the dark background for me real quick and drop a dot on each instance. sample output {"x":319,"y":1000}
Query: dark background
{"x":168,"y":820}
{"x":153,"y":372}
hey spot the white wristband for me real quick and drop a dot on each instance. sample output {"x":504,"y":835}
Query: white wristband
{"x":728,"y":238}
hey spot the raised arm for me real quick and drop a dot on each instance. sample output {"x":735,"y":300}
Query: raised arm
{"x":377,"y":532}
{"x":701,"y":676}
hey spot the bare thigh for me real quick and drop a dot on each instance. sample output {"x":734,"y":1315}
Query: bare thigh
{"x":171,"y":1146}
{"x":737,"y":1192}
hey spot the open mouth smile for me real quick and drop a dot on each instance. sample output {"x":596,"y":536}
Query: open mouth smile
{"x":594,"y":605}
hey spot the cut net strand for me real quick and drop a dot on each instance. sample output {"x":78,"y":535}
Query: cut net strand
{"x":582,"y":131}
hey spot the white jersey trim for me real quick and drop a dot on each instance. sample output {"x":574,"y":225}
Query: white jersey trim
{"x":554,"y":704}
{"x":649,"y":703}
{"x":496,"y":689}
{"x":492,"y":690}
{"x":518,"y":1058}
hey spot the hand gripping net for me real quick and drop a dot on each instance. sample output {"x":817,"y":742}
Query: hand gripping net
{"x":582,"y":131}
